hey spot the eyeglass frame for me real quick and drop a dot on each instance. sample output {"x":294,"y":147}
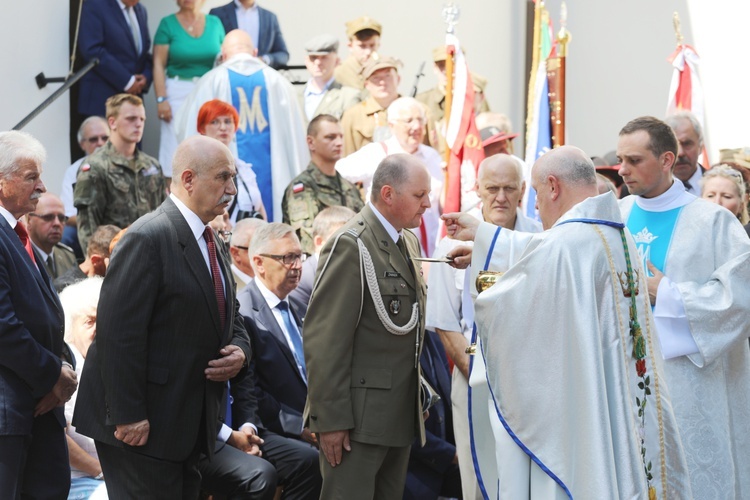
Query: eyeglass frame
{"x":282,"y":258}
{"x":50,"y":217}
{"x":94,"y":138}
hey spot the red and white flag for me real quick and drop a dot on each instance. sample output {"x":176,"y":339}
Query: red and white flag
{"x":686,"y":91}
{"x":461,"y":136}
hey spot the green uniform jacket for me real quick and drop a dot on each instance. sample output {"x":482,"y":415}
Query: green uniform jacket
{"x":360,"y":376}
{"x":111,"y":189}
{"x":308,"y":194}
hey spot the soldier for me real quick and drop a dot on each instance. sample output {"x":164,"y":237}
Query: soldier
{"x":323,"y":94}
{"x":434,"y":98}
{"x":363,"y":34}
{"x":118,"y":183}
{"x":320,"y":186}
{"x":45,"y":227}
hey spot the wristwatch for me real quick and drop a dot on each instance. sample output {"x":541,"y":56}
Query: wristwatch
{"x":160,"y":100}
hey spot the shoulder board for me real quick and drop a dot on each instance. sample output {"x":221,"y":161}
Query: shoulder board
{"x":64,"y":247}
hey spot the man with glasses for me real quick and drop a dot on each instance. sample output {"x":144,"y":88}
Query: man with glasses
{"x":92,"y":134}
{"x":118,"y":183}
{"x":45,"y":227}
{"x":239,"y":244}
{"x":278,"y":367}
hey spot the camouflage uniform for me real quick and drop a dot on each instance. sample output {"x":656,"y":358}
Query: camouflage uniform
{"x":308,"y":194}
{"x":111,"y":189}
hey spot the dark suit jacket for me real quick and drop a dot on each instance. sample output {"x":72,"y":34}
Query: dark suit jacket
{"x":158,"y":327}
{"x":270,"y":40}
{"x":361,"y":377}
{"x":31,"y":335}
{"x":105,"y":34}
{"x":429,"y":465}
{"x":279,"y":387}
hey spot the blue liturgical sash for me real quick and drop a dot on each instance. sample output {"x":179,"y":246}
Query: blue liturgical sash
{"x":652,"y":232}
{"x":250,"y":99}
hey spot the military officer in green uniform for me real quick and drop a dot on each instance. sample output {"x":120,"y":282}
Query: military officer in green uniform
{"x":118,"y":183}
{"x":45,"y":226}
{"x":320,"y":186}
{"x":363,"y":335}
{"x":363,"y":34}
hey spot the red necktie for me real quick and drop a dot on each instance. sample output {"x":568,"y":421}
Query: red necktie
{"x":208,"y":235}
{"x":21,"y":232}
{"x":423,"y":233}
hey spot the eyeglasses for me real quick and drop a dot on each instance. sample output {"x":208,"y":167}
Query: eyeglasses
{"x":224,"y":235}
{"x":97,"y":138}
{"x":287,"y":259}
{"x":50,"y":217}
{"x":241,"y":247}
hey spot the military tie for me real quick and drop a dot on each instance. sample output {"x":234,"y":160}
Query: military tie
{"x":50,"y":262}
{"x":294,"y":335}
{"x":208,"y":235}
{"x":134,"y":29}
{"x":20,"y":230}
{"x":401,"y":244}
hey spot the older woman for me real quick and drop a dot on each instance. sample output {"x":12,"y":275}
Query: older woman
{"x":219,"y":120}
{"x":725,"y":186}
{"x":185,"y":47}
{"x":80,"y":302}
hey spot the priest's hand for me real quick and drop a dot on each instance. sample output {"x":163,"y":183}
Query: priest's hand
{"x":333,"y":445}
{"x":460,"y":226}
{"x":460,"y":257}
{"x":653,"y":281}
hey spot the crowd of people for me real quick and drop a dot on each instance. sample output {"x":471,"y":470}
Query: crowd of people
{"x":278,"y":306}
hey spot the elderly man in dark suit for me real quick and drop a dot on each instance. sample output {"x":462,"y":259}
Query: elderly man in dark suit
{"x":115,"y":32}
{"x":34,"y":382}
{"x":168,"y":337}
{"x":262,"y":26}
{"x":363,"y":336}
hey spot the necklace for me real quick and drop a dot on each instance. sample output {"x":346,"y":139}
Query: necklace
{"x":190,"y":28}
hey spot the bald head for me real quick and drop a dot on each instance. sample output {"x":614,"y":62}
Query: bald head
{"x":203,"y":176}
{"x":237,"y":42}
{"x":500,"y":186}
{"x":401,"y":190}
{"x":562,"y":178}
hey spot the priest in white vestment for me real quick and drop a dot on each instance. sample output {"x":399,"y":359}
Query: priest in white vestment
{"x":450,"y":309}
{"x":698,"y":256}
{"x":580,"y":407}
{"x":271,"y":134}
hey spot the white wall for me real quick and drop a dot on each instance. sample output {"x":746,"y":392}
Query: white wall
{"x":32,"y":44}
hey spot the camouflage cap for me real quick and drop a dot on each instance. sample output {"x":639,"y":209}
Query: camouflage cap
{"x":362,"y":23}
{"x":376,"y":62}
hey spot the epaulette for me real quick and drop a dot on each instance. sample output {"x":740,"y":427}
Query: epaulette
{"x":65,"y":247}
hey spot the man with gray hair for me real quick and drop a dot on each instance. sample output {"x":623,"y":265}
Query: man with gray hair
{"x":34,"y":381}
{"x":689,"y":133}
{"x":450,"y":308}
{"x":407,"y":122}
{"x":363,"y":339}
{"x":239,"y":246}
{"x":92,"y":134}
{"x":583,"y":368}
{"x":277,"y":372}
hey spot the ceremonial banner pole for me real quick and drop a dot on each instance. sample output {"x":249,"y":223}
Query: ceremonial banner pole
{"x":450,"y":16}
{"x":556,"y":78}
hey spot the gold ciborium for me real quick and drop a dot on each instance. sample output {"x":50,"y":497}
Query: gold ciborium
{"x":486,"y":279}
